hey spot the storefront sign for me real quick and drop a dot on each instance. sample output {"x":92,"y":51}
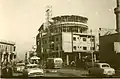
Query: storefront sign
{"x":117,"y":47}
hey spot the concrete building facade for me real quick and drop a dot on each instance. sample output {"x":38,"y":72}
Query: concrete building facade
{"x":7,"y":49}
{"x":110,"y":44}
{"x":107,"y":49}
{"x":68,"y":37}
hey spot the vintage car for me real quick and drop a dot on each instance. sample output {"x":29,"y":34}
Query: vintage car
{"x":101,"y":69}
{"x":19,"y":67}
{"x":33,"y":70}
{"x":54,"y":63}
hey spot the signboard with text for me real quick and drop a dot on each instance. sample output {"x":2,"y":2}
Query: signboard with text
{"x":117,"y":47}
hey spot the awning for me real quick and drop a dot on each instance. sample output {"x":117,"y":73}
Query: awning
{"x":34,"y":57}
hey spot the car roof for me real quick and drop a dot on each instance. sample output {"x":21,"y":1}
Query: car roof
{"x":102,"y":63}
{"x":32,"y":65}
{"x":20,"y":63}
{"x":54,"y":58}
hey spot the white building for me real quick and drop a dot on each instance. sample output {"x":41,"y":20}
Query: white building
{"x":7,"y":49}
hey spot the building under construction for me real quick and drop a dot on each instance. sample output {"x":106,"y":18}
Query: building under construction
{"x":110,"y":44}
{"x":66,"y":37}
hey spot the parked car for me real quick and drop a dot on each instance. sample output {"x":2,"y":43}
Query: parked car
{"x":54,"y":63}
{"x":87,"y":65}
{"x":101,"y":69}
{"x":19,"y":67}
{"x":33,"y":70}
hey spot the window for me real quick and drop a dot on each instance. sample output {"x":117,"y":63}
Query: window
{"x":92,"y":40}
{"x":64,"y":29}
{"x":50,"y":60}
{"x":77,"y":37}
{"x":68,"y":29}
{"x":84,"y":48}
{"x":74,"y":29}
{"x":74,"y":47}
{"x":105,"y":66}
{"x":45,"y":41}
{"x":14,"y":48}
{"x":92,"y":48}
{"x":58,"y":61}
{"x":11,"y":56}
{"x":51,"y":30}
{"x":57,"y":39}
{"x":74,"y":38}
{"x":55,"y":30}
{"x":44,"y":50}
{"x":84,"y":39}
{"x":38,"y":43}
{"x":57,"y":48}
{"x":52,"y":46}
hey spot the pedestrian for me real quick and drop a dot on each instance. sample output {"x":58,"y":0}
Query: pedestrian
{"x":72,"y":64}
{"x":7,"y":72}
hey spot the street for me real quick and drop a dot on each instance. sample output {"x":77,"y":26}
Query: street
{"x":67,"y":73}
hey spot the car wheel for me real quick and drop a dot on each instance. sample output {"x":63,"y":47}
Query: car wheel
{"x":110,"y":76}
{"x":25,"y":75}
{"x":106,"y":76}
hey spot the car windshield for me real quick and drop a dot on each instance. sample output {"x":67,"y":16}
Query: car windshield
{"x":105,"y":66}
{"x":20,"y":64}
{"x":58,"y":61}
{"x":32,"y":66}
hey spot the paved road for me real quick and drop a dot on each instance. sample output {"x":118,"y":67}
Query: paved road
{"x":73,"y":72}
{"x":49,"y":73}
{"x":60,"y":73}
{"x":65,"y":73}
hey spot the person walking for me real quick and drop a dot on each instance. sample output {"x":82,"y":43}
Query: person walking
{"x":72,"y":64}
{"x":7,"y":72}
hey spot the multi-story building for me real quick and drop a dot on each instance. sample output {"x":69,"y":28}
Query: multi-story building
{"x":110,"y":44}
{"x":7,"y":49}
{"x":68,"y":38}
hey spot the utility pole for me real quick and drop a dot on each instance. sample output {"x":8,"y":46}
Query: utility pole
{"x":25,"y":58}
{"x":41,"y":47}
{"x":59,"y":50}
{"x":47,"y":26}
{"x":92,"y":49}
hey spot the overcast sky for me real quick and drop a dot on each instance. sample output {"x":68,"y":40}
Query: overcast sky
{"x":20,"y":19}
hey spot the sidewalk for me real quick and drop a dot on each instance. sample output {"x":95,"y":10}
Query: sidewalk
{"x":73,"y":72}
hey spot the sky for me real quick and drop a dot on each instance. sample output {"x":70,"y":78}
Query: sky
{"x":21,"y":19}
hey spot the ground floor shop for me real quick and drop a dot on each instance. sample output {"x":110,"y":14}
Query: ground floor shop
{"x":78,"y":57}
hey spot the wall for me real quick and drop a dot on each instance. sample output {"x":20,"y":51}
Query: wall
{"x":107,"y":52}
{"x":67,"y":42}
{"x":81,"y":41}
